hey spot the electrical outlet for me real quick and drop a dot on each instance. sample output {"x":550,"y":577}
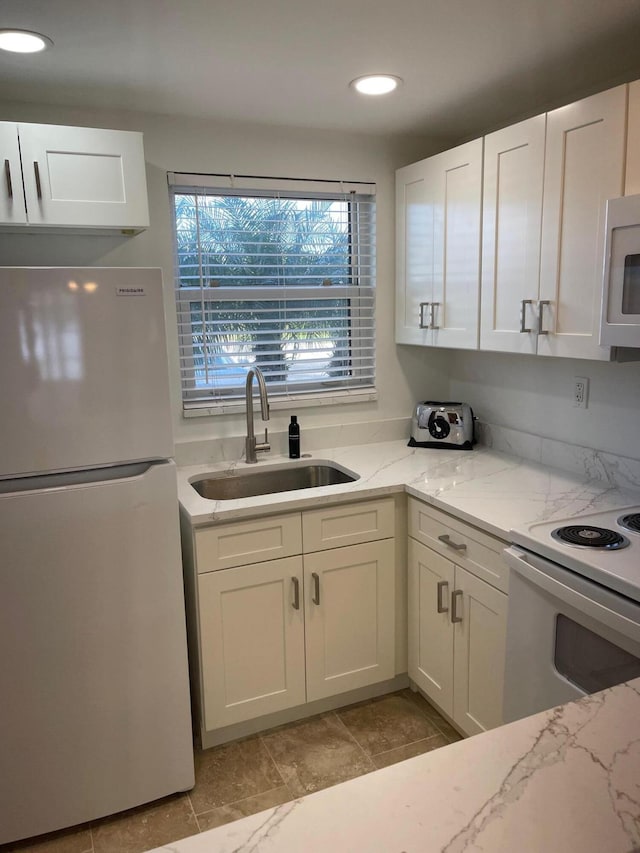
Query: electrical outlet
{"x":581,"y":392}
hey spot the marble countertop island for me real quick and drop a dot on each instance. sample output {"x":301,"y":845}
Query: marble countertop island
{"x":567,"y":779}
{"x":492,"y":490}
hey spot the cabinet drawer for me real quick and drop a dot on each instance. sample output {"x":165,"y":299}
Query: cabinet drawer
{"x":245,"y":542}
{"x":481,"y":554}
{"x":350,"y":524}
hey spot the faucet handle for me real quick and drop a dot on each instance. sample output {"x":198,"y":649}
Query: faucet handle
{"x":263,"y":446}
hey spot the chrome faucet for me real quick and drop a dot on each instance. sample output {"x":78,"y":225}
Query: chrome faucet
{"x":251,"y":445}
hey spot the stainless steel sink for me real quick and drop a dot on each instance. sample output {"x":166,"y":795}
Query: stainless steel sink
{"x":228,"y":487}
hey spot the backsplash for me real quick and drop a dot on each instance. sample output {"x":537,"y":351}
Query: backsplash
{"x":311,"y":439}
{"x":619,"y":471}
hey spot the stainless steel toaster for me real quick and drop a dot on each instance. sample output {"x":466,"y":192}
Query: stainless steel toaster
{"x":442,"y":424}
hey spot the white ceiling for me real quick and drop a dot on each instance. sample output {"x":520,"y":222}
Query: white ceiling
{"x":468,"y":65}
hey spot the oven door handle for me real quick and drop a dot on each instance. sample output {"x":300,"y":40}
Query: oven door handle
{"x":608,"y":608}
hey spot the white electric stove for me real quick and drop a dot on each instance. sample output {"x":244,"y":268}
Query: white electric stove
{"x":574,"y":609}
{"x":601,"y":546}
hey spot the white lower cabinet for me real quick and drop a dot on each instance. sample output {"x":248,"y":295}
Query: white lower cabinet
{"x":275,"y":634}
{"x":457,"y":634}
{"x":251,"y":641}
{"x":349,"y":617}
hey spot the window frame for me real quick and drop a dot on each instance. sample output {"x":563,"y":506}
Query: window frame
{"x":360,"y":294}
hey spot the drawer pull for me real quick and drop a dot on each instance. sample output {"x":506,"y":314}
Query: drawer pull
{"x":296,"y":593}
{"x":456,"y":596}
{"x":316,"y":586}
{"x":442,"y":596}
{"x":447,"y":541}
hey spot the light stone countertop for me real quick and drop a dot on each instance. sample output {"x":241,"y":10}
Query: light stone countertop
{"x":567,"y":779}
{"x":489,"y":489}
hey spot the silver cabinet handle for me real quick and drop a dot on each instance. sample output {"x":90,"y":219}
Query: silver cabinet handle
{"x":432,"y":321}
{"x":456,"y":596}
{"x":7,"y":174}
{"x":542,"y":303}
{"x":455,"y":545}
{"x":296,"y":593}
{"x":36,"y":169}
{"x":523,"y":310}
{"x":316,"y":586}
{"x":442,"y":596}
{"x":422,"y":307}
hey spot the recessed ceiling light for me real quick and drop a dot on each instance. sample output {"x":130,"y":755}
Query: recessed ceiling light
{"x":23,"y":41}
{"x":376,"y":84}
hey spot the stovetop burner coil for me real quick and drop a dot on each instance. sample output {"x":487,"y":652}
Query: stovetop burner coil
{"x":586,"y":536}
{"x":631,"y":521}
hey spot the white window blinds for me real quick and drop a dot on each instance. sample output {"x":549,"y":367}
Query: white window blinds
{"x":274,"y":273}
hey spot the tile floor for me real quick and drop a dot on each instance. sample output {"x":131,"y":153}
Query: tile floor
{"x":244,"y":777}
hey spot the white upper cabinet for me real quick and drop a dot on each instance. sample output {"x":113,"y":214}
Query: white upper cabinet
{"x":632,"y":171}
{"x":76,"y":177}
{"x":584,"y":166}
{"x":414,"y":254}
{"x":12,"y":207}
{"x":543,"y":186}
{"x":438,"y":204}
{"x":455,"y":305}
{"x":511,"y":217}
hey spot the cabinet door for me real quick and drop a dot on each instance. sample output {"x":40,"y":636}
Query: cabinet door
{"x":479,"y":653}
{"x":83,"y":177}
{"x":414,"y":253}
{"x":632,"y":170}
{"x":12,"y":209}
{"x":431,"y":579}
{"x":584,"y":166}
{"x":252,"y":640}
{"x":350,"y":618}
{"x":511,"y":216}
{"x":456,"y":184}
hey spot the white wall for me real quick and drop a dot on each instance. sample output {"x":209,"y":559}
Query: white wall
{"x":534,"y":394}
{"x":521,"y":392}
{"x":173,"y":143}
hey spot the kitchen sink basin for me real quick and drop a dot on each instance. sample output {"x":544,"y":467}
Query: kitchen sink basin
{"x":246,"y":484}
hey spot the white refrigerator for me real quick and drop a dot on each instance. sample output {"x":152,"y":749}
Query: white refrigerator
{"x":94,"y":689}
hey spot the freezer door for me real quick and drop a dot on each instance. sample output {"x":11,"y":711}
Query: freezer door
{"x":94,"y":714}
{"x":83,"y":368}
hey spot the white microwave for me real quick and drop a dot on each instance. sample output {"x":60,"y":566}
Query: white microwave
{"x":620,"y":318}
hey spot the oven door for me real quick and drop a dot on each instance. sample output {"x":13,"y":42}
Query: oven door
{"x":566,"y":636}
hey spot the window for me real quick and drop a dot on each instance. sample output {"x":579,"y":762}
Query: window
{"x":278,"y":274}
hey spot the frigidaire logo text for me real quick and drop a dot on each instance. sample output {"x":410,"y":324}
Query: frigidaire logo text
{"x":130,"y":291}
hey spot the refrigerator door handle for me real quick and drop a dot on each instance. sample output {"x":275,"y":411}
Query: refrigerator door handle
{"x":76,"y":479}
